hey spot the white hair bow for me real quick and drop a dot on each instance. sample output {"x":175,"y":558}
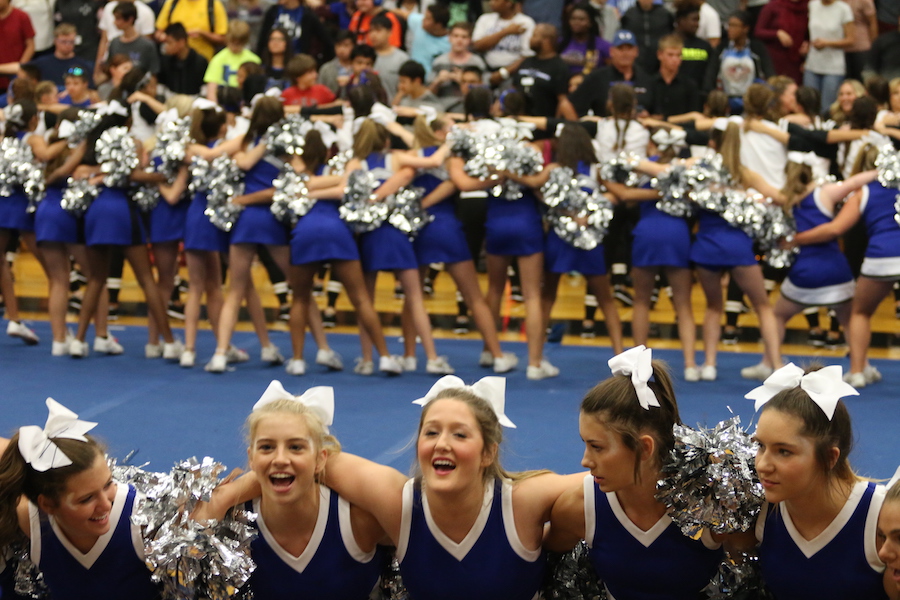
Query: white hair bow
{"x":113,"y":107}
{"x":670,"y":138}
{"x":36,"y":445}
{"x":329,"y":137}
{"x":490,"y":389}
{"x":638,"y":364}
{"x":811,"y":160}
{"x":269,"y":93}
{"x":722,"y":123}
{"x":429,"y":112}
{"x":382,"y":114}
{"x":205,"y":104}
{"x":65,"y":129}
{"x":319,"y":400}
{"x":824,"y":387}
{"x":14,"y":115}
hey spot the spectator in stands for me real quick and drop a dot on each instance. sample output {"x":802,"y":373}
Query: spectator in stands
{"x":592,"y":95}
{"x":710,"y":27}
{"x":884,"y":58}
{"x":145,"y":24}
{"x":17,"y":35}
{"x":463,"y":11}
{"x":448,"y":68}
{"x":830,"y":33}
{"x":607,"y":17}
{"x":83,"y":14}
{"x":304,"y":29}
{"x":182,"y":68}
{"x":411,"y":89}
{"x":669,"y":92}
{"x":222,"y":69}
{"x":648,"y":22}
{"x":141,"y":50}
{"x":116,"y":68}
{"x":77,"y":91}
{"x":503,"y":36}
{"x":206,"y":22}
{"x":888,"y":13}
{"x":695,"y":52}
{"x":54,"y":66}
{"x":865,"y":30}
{"x":336,"y":72}
{"x":429,"y":34}
{"x":782,"y":26}
{"x":361,"y":23}
{"x":342,"y":11}
{"x":389,"y":57}
{"x":362,"y":58}
{"x":544,"y":78}
{"x":738,"y":63}
{"x":451,"y":85}
{"x":305,"y":90}
{"x":725,"y":8}
{"x":41,"y":14}
{"x":582,"y":47}
{"x":275,"y":55}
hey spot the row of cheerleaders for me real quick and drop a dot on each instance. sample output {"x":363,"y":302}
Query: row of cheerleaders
{"x":368,"y":209}
{"x":665,"y":511}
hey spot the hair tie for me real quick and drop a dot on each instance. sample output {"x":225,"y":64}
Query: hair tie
{"x":824,"y":387}
{"x":637,"y":363}
{"x":37,"y":446}
{"x":65,"y":129}
{"x":490,"y":389}
{"x":319,"y":400}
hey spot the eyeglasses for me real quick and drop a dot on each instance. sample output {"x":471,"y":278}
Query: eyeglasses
{"x":76,"y":71}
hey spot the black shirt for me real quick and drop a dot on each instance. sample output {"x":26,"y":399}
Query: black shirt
{"x":647,"y":27}
{"x":83,"y":15}
{"x":593,"y":93}
{"x":675,"y":98}
{"x":885,"y":55}
{"x":183,"y":76}
{"x":695,"y":57}
{"x":542,"y":81}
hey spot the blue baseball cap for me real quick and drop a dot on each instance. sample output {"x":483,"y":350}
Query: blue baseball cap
{"x":623,"y":37}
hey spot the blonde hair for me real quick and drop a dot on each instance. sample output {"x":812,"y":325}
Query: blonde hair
{"x":892,"y":86}
{"x":424,"y":133}
{"x":835,"y":109}
{"x":730,"y":149}
{"x":371,"y":137}
{"x":797,"y":179}
{"x":183,"y":103}
{"x":238,"y":32}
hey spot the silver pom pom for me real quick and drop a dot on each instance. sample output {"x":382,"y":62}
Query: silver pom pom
{"x":888,"y":165}
{"x":200,"y":175}
{"x":579,"y":213}
{"x":226,"y":181}
{"x":290,"y":201}
{"x":499,"y":150}
{"x":287,"y":136}
{"x":674,"y":191}
{"x":18,"y":169}
{"x":87,"y":120}
{"x":357,"y":210}
{"x":117,"y":156}
{"x":337,"y":164}
{"x":172,"y":141}
{"x":407,"y":213}
{"x":78,"y":195}
{"x":621,"y":169}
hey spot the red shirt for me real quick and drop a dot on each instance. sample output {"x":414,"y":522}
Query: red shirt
{"x":15,"y":31}
{"x":313,"y":96}
{"x":359,"y":26}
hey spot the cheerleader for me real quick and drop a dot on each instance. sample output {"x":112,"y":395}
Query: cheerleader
{"x":444,"y":240}
{"x":21,"y":119}
{"x":463,"y":526}
{"x":513,"y":229}
{"x":888,"y":535}
{"x":257,"y":225}
{"x":575,"y":152}
{"x":389,"y":249}
{"x":112,"y":220}
{"x":816,"y":531}
{"x":77,"y":520}
{"x":312,"y":542}
{"x":59,"y":235}
{"x":626,"y":423}
{"x":320,"y":236}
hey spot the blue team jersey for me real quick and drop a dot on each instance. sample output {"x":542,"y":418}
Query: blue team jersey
{"x":489,"y":563}
{"x":883,"y":250}
{"x":658,"y":564}
{"x":838,"y":564}
{"x":113,"y":569}
{"x":332,"y":566}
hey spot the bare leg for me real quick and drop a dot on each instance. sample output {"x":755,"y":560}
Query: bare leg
{"x":97,"y":271}
{"x":548,"y":296}
{"x":711,"y":283}
{"x":240,"y":260}
{"x":204,"y":274}
{"x":599,"y":286}
{"x":531,"y":270}
{"x":680,"y":281}
{"x":301,"y":278}
{"x":412,"y":290}
{"x":101,"y":315}
{"x":350,"y":271}
{"x":365,"y":342}
{"x":750,"y":278}
{"x":7,"y":288}
{"x":643,"y":279}
{"x":466,"y":279}
{"x":281,"y":255}
{"x":166,"y":260}
{"x":496,"y":270}
{"x":869,"y":294}
{"x":139,"y":260}
{"x":56,"y":259}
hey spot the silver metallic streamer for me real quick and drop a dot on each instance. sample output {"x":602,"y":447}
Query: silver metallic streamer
{"x":29,"y":581}
{"x":571,"y":576}
{"x":200,"y":175}
{"x":226,"y":181}
{"x":18,"y":169}
{"x":172,"y":141}
{"x":87,"y":120}
{"x":674,"y":191}
{"x":117,"y":156}
{"x":888,"y":165}
{"x":357,"y":210}
{"x":407,"y":213}
{"x":621,"y":169}
{"x":291,"y":200}
{"x":337,"y":164}
{"x":579,"y":212}
{"x":502,"y":150}
{"x":737,"y":579}
{"x":710,"y":481}
{"x":78,"y":195}
{"x":287,"y":136}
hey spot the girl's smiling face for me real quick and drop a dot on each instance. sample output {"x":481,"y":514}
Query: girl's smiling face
{"x":450,"y":447}
{"x":83,"y":509}
{"x":284,"y":457}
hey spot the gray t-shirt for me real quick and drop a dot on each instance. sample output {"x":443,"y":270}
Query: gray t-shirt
{"x":725,"y":8}
{"x":827,"y":22}
{"x":141,"y":51}
{"x":388,"y":68}
{"x":426,"y":99}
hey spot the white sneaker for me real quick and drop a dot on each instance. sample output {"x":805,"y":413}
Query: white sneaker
{"x":78,"y":349}
{"x":295,"y":366}
{"x":271,"y":355}
{"x":364,"y":367}
{"x":505,"y":363}
{"x":153,"y":351}
{"x":857,"y":380}
{"x":390,"y":365}
{"x":409,"y":363}
{"x":872,"y":374}
{"x":108,"y":345}
{"x":217,"y":364}
{"x":21,"y":331}
{"x":486,"y":359}
{"x":542,"y":372}
{"x":188,"y":358}
{"x":691,"y":374}
{"x":708,"y":373}
{"x":236,"y":355}
{"x":173,"y":351}
{"x":439,"y":366}
{"x":548,"y":368}
{"x":758,"y":371}
{"x":330,"y":359}
{"x":61,"y":348}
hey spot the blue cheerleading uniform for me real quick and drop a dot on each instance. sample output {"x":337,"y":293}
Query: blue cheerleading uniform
{"x":167,"y":221}
{"x":14,"y":208}
{"x":562,"y":257}
{"x":841,"y":562}
{"x":820,"y":275}
{"x":719,"y":246}
{"x":514,"y":227}
{"x":660,"y":240}
{"x":112,"y":219}
{"x":332,"y":565}
{"x":52,"y":223}
{"x":320,"y":235}
{"x":199,"y":234}
{"x":443,"y":240}
{"x":386,"y":248}
{"x":256,"y":224}
{"x":624,"y":556}
{"x":489,"y":563}
{"x":882,"y":260}
{"x":113,"y":569}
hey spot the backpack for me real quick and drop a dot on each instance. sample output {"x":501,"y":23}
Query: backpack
{"x":210,"y":12}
